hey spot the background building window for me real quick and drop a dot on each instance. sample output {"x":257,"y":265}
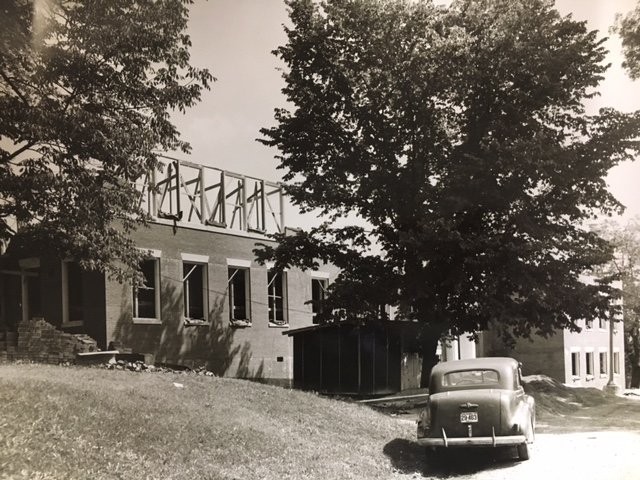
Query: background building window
{"x":602,"y":323}
{"x":602,"y":357}
{"x":72,"y":304}
{"x":146,"y":296}
{"x":318,"y":294}
{"x":575,"y":364}
{"x":239,"y":293}
{"x":616,"y":362}
{"x":589,"y":363}
{"x":589,"y":324}
{"x":276,"y":292}
{"x":194,"y":284}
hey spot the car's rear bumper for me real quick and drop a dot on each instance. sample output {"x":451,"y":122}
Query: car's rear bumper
{"x":473,"y":441}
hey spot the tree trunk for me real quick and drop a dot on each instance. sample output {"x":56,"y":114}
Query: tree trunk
{"x":429,"y":358}
{"x":635,"y":376}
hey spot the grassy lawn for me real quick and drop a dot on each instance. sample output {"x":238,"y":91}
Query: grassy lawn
{"x":66,"y":422}
{"x":90,"y":423}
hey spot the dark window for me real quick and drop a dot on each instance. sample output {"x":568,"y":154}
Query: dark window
{"x":589,"y":324}
{"x":616,"y":362}
{"x":238,"y":293}
{"x":575,"y":364}
{"x":144,"y":295}
{"x":602,"y":323}
{"x":589,"y":363}
{"x":74,"y":292}
{"x":318,"y":294}
{"x":194,"y":287}
{"x":602,"y":356}
{"x":276,"y":290}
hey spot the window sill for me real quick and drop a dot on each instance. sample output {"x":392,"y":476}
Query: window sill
{"x":240,"y":323}
{"x":147,"y":321}
{"x":589,"y":378}
{"x":75,"y":323}
{"x":194,"y":322}
{"x":278,"y":325}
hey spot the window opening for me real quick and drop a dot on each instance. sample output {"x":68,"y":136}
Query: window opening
{"x":589,"y":362}
{"x":276,"y":292}
{"x":74,"y":292}
{"x":318,"y":294}
{"x":238,"y":293}
{"x":194,"y":288}
{"x":603,"y":362}
{"x":575,"y":364}
{"x":145,"y":295}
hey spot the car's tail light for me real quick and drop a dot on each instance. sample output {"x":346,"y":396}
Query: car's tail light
{"x":424,"y":422}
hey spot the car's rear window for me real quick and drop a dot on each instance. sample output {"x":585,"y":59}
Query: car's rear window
{"x":470,"y":377}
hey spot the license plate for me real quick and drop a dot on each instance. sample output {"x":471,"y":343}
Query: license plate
{"x":468,"y":417}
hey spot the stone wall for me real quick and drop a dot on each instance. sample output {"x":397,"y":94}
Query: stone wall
{"x":39,"y":341}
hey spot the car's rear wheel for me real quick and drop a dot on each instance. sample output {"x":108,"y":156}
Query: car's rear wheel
{"x":523,"y":451}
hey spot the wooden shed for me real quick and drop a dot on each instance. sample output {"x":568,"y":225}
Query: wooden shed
{"x":375,"y":358}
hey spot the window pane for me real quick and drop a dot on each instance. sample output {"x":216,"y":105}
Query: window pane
{"x":589,"y":359}
{"x":237,"y":293}
{"x":318,"y":288}
{"x":470,"y":377}
{"x":193,"y":286}
{"x":146,"y":293}
{"x":603,"y":362}
{"x":275,"y":293}
{"x":575,"y":364}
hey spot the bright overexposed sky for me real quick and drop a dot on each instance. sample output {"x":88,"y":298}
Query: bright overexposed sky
{"x":234,"y":39}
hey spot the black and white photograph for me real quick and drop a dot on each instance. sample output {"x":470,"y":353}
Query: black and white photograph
{"x":319,"y":239}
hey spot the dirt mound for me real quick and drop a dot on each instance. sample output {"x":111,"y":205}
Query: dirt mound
{"x":554,"y":398}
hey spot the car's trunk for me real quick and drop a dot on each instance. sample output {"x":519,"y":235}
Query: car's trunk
{"x":489,"y":404}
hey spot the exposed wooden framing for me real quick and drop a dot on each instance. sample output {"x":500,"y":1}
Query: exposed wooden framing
{"x":204,"y":207}
{"x":243,"y":209}
{"x":216,"y":198}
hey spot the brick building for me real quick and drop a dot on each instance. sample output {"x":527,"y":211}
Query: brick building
{"x":204,"y":302}
{"x":589,"y":358}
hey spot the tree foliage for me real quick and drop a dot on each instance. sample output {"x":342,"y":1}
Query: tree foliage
{"x":86,"y":90}
{"x":628,"y":27}
{"x":459,"y":135}
{"x":625,"y":266}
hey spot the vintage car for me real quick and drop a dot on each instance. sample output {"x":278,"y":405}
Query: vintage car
{"x":478,"y":402}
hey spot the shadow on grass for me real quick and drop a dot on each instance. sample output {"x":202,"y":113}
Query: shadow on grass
{"x":410,"y":457}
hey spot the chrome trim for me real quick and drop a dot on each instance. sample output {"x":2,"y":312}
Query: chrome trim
{"x":472,"y":442}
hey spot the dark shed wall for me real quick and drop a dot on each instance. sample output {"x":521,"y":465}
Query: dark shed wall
{"x":348,"y":359}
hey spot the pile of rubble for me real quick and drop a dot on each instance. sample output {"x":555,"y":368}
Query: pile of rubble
{"x":140,"y":366}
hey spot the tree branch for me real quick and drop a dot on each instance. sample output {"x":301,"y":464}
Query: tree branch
{"x":14,"y":88}
{"x":13,"y":155}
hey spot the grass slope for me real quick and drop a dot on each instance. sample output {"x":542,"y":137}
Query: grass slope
{"x":68,"y":423}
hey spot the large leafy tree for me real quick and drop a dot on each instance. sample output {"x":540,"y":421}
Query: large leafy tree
{"x":86,"y":92}
{"x":458,"y":135}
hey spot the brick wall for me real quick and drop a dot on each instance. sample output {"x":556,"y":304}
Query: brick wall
{"x":39,"y":341}
{"x":256,"y":351}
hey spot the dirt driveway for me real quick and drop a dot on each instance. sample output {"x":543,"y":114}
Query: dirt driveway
{"x":598,"y":440}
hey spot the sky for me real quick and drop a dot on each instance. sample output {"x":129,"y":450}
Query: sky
{"x":234,"y":40}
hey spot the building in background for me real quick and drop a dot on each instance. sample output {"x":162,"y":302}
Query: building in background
{"x":593,"y":357}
